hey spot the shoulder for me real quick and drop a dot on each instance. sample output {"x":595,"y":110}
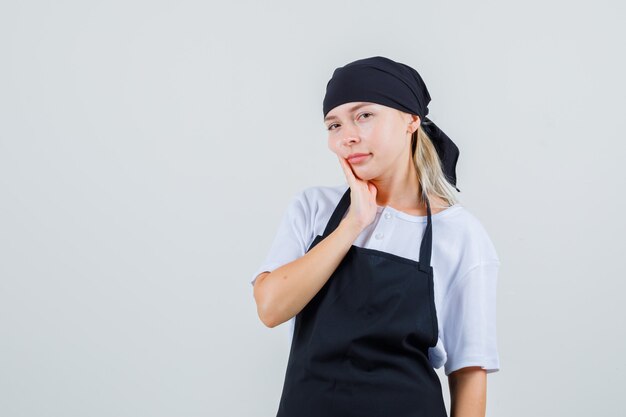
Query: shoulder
{"x":321,"y":198}
{"x":467,"y":260}
{"x":316,"y":203}
{"x":462,"y":229}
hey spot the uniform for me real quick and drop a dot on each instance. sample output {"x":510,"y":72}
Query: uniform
{"x":359,"y":358}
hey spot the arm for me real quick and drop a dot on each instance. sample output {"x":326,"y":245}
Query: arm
{"x":282,"y":293}
{"x":468,"y":392}
{"x":469,"y":318}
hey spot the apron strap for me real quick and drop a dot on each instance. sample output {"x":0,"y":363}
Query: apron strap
{"x":427,"y":238}
{"x":337,"y":215}
{"x":426,"y":246}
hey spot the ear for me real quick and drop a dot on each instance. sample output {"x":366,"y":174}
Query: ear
{"x":414,"y":123}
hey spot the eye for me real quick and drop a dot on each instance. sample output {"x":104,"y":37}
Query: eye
{"x":330,"y":127}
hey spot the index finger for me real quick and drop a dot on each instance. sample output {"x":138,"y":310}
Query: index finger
{"x":347,"y":170}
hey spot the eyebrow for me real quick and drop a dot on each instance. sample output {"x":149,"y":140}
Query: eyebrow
{"x":353,"y":108}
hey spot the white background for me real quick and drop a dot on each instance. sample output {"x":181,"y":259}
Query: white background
{"x":148,"y":150}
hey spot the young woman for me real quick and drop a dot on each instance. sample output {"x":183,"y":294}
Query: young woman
{"x":387,"y":276}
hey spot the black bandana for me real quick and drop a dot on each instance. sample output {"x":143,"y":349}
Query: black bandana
{"x":383,"y":81}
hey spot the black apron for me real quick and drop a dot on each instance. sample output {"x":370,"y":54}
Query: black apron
{"x":360,"y":346}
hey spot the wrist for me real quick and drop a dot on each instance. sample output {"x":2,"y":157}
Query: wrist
{"x":351,"y":227}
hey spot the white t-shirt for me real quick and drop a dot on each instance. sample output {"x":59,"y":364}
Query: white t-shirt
{"x":464,"y":260}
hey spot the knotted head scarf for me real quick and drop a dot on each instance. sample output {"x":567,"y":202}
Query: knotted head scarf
{"x":392,"y":84}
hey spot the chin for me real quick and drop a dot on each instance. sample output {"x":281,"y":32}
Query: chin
{"x":364,"y":176}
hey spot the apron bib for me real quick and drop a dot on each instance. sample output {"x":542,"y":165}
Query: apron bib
{"x":360,"y":346}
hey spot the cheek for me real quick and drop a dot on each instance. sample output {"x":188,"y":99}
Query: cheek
{"x":391,"y":139}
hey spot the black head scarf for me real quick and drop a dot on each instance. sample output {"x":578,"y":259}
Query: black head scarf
{"x":392,"y":84}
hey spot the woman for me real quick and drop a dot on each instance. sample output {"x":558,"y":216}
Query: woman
{"x":351,"y":267}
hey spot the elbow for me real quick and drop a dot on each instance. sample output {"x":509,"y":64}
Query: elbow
{"x":266,"y":316}
{"x":265,"y":313}
{"x":268,"y":321}
{"x":264,"y":303}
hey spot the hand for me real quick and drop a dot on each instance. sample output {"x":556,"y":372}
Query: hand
{"x":363,"y":206}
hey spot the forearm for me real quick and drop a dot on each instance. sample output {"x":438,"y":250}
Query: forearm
{"x":284,"y":292}
{"x":468,"y":392}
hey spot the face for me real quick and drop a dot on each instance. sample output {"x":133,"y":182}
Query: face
{"x":382,"y":133}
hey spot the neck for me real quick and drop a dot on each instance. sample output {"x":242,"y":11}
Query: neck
{"x":399,"y":189}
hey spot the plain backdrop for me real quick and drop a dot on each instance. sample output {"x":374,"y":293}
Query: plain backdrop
{"x":148,"y":150}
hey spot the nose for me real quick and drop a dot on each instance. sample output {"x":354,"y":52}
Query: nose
{"x":350,"y":135}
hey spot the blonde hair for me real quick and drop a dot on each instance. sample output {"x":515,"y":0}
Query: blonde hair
{"x":429,"y":170}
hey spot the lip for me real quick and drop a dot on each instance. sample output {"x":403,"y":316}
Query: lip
{"x":356,"y":158}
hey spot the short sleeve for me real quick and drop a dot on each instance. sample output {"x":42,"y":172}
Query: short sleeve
{"x":469,"y":320}
{"x":292,"y":237}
